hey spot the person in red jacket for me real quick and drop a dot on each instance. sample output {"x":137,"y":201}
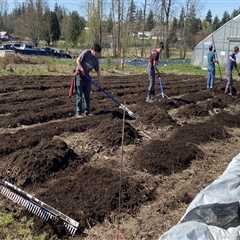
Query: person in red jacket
{"x":151,"y":70}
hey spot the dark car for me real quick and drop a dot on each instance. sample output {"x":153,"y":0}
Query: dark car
{"x":57,"y":53}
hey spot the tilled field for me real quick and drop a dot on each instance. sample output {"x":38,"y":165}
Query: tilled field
{"x":73,"y":164}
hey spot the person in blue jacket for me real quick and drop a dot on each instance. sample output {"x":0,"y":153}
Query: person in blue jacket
{"x":211,"y":68}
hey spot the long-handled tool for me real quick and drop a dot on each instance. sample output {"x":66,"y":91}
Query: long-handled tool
{"x":35,"y":206}
{"x":161,"y":85}
{"x":112,"y":98}
{"x":219,"y":68}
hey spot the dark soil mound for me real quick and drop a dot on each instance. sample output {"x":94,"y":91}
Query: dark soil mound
{"x":159,"y":157}
{"x":37,"y":164}
{"x":201,"y":132}
{"x":109,"y":133}
{"x":91,"y":194}
{"x":227,"y":119}
{"x":154,"y":114}
{"x":191,"y":110}
{"x":158,"y":117}
{"x":196,"y":97}
{"x":202,"y":109}
{"x":219,"y":101}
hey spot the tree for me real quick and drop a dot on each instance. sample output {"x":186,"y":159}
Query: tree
{"x":144,"y":26}
{"x":167,"y":6}
{"x":139,"y":19}
{"x":55,"y":27}
{"x":109,"y":23}
{"x":209,"y":17}
{"x":235,"y":13}
{"x":150,"y":21}
{"x":181,"y":19}
{"x":191,"y":25}
{"x":132,"y":12}
{"x":76,"y":26}
{"x":216,"y":23}
{"x":46,"y":30}
{"x":173,"y":33}
{"x":226,"y":17}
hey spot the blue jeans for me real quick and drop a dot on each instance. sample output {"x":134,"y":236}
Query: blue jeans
{"x":229,"y":83}
{"x":151,"y":77}
{"x":83,"y":90}
{"x":211,"y":78}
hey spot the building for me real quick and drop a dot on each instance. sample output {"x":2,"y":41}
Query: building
{"x":223,"y":39}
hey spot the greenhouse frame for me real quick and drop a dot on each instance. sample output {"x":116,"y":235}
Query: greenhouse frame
{"x":223,"y":40}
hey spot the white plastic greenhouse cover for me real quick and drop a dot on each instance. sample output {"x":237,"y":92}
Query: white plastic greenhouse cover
{"x":224,"y":39}
{"x":214,"y":213}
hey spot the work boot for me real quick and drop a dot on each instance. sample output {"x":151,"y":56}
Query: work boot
{"x":79,"y":115}
{"x":149,"y":100}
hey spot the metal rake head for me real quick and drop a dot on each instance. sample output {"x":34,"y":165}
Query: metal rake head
{"x":35,"y":206}
{"x":129,"y":112}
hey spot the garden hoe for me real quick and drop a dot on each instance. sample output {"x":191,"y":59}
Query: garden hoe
{"x":114,"y":99}
{"x":35,"y":206}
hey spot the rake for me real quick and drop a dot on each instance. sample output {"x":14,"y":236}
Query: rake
{"x":37,"y":207}
{"x":111,"y":97}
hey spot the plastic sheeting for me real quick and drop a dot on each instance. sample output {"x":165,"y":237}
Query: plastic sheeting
{"x":214,"y":214}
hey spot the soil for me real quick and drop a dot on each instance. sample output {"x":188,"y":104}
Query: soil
{"x":36,"y":165}
{"x":155,"y":114}
{"x":91,"y":194}
{"x":161,"y":172}
{"x":166,"y":157}
{"x":109,"y":133}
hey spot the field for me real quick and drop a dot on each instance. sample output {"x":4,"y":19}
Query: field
{"x":176,"y":147}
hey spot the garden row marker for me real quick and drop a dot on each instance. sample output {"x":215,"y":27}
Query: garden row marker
{"x":119,"y":234}
{"x":37,"y":207}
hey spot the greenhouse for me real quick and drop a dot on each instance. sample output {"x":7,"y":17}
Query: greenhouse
{"x":223,"y":39}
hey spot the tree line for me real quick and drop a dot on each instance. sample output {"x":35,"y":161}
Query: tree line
{"x":120,"y":25}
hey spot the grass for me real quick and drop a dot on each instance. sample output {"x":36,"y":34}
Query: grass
{"x":25,"y":65}
{"x":12,"y":227}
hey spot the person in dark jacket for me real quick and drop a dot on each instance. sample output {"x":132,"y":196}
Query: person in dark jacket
{"x":151,"y":70}
{"x":231,"y":64}
{"x":86,"y":62}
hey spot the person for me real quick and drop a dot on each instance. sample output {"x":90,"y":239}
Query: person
{"x":211,"y":68}
{"x":231,"y":64}
{"x":86,"y":62}
{"x":151,"y":70}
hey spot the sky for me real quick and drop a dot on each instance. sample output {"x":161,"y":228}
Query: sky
{"x":216,"y":6}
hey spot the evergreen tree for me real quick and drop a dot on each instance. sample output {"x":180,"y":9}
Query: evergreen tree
{"x":76,"y":26}
{"x":46,"y":30}
{"x":226,"y":17}
{"x":132,"y":12}
{"x":150,"y":21}
{"x":235,"y":13}
{"x":216,"y":23}
{"x":209,"y":17}
{"x":55,"y":27}
{"x":181,"y":19}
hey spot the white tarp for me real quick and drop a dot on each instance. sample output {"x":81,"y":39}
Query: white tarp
{"x":214,"y":213}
